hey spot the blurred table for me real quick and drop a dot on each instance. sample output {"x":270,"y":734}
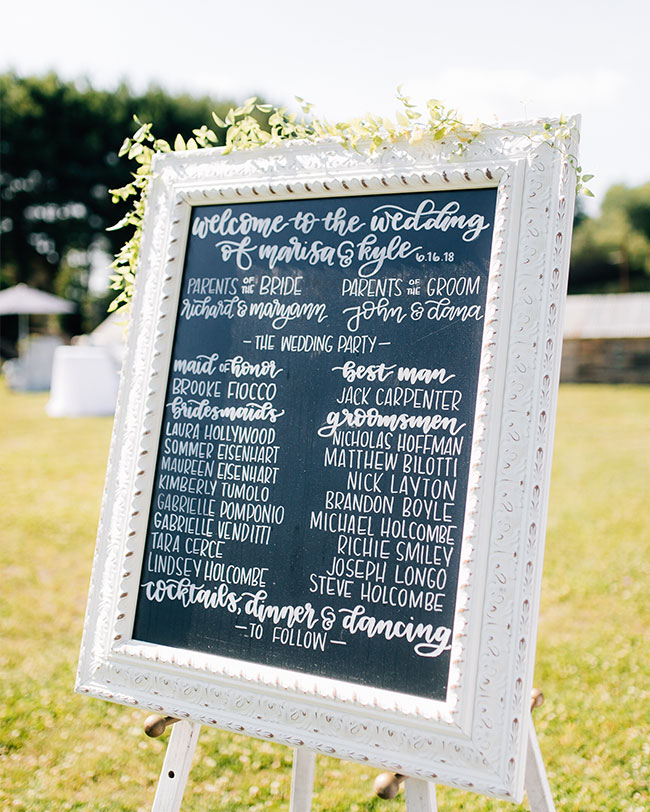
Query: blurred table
{"x":32,"y":371}
{"x":84,"y":382}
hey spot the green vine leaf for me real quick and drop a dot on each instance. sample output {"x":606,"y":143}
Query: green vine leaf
{"x":244,"y":131}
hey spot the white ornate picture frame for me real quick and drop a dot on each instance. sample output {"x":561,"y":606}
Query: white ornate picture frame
{"x":476,"y":739}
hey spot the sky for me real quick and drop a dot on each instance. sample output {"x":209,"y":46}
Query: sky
{"x":502,"y":60}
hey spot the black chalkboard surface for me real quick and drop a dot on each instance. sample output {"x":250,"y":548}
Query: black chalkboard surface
{"x":312,"y":469}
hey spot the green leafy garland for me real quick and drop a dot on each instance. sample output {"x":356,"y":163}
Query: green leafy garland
{"x":244,"y":131}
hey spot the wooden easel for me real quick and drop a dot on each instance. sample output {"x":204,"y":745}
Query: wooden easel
{"x":420,"y":794}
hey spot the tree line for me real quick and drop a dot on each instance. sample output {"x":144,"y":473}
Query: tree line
{"x":59,"y":157}
{"x":611,"y":253}
{"x":59,"y":149}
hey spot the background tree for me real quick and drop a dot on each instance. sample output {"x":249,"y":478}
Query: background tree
{"x":59,"y":157}
{"x":611,"y":253}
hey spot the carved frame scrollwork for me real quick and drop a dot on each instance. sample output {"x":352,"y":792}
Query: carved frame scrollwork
{"x":477,"y":738}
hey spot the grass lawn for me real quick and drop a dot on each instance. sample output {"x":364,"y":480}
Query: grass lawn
{"x":59,"y":751}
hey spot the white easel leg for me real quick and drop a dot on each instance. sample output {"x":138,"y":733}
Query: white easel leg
{"x":302,"y":780}
{"x":420,"y":795}
{"x":536,"y":782}
{"x":176,"y":767}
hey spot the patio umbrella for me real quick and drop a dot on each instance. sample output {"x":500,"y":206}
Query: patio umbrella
{"x":25,"y":301}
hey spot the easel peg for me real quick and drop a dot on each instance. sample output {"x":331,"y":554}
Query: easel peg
{"x":155,"y":725}
{"x":387,"y":785}
{"x":536,"y":699}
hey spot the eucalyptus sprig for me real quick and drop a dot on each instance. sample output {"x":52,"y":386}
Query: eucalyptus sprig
{"x":244,"y":129}
{"x":558,"y":137}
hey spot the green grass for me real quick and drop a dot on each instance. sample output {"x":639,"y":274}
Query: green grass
{"x":59,"y":751}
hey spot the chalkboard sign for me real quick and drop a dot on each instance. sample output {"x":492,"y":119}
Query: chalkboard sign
{"x":324,"y":513}
{"x":312,"y":469}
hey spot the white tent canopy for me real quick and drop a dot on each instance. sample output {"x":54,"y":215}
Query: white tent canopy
{"x":21,"y":299}
{"x":24,"y":301}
